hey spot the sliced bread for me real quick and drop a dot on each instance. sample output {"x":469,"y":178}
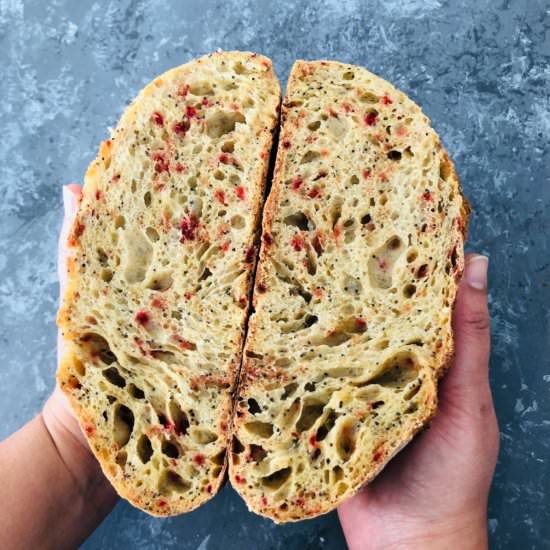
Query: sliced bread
{"x":162,"y":253}
{"x":362,"y":252}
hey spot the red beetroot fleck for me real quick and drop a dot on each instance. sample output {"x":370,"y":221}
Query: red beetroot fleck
{"x":297,"y":243}
{"x":366,"y":174}
{"x":371,"y":118}
{"x":242,"y":301}
{"x":157,"y":302}
{"x":184,"y":90}
{"x":78,"y":229}
{"x":314,"y":193}
{"x":161,"y":164}
{"x":89,"y":429}
{"x":382,"y":264}
{"x":427,"y":196}
{"x":239,"y":479}
{"x":115,"y":178}
{"x":249,"y":256}
{"x":162,"y":503}
{"x":383,"y":177}
{"x":386,"y":100}
{"x":98,"y":194}
{"x":208,"y":488}
{"x":225,"y":246}
{"x":188,"y":295}
{"x":286,"y":144}
{"x":361,"y":323}
{"x":347,"y":107}
{"x":297,"y":183}
{"x":225,"y":158}
{"x":262,"y":287}
{"x":240,"y":192}
{"x":180,"y":168}
{"x":318,"y":292}
{"x":264,"y":501}
{"x":180,"y":128}
{"x":190,"y":111}
{"x":158,"y":118}
{"x":313,"y":440}
{"x":377,"y":455}
{"x":219,"y":195}
{"x":263,"y":155}
{"x":188,"y":227}
{"x":205,"y":102}
{"x":199,"y":459}
{"x":184,"y":344}
{"x":142,"y":317}
{"x":268,"y":239}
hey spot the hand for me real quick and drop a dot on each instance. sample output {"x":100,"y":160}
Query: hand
{"x":434,"y":494}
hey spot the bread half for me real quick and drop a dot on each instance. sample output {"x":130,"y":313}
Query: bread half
{"x":362,"y":252}
{"x":162,"y":252}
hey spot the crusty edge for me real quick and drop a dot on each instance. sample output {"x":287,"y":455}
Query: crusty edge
{"x":124,"y":489}
{"x":438,"y":370}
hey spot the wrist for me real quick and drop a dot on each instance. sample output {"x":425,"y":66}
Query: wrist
{"x":467,"y":531}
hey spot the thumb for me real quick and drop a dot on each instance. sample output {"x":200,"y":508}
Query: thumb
{"x":469,"y":372}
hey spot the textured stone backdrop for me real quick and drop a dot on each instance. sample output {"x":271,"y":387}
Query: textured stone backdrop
{"x":479,"y":68}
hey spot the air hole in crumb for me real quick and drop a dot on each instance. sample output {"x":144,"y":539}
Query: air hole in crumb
{"x":237,"y":222}
{"x":120,"y":222}
{"x":170,"y":450}
{"x":201,"y":88}
{"x":144,"y":449}
{"x":394,"y":155}
{"x":152,"y":234}
{"x":219,"y":175}
{"x":257,"y":453}
{"x":310,"y":156}
{"x":135,"y":392}
{"x":313,"y":126}
{"x":366,"y":219}
{"x":326,"y":426}
{"x":147,"y":198}
{"x":412,"y":255}
{"x":223,"y":122}
{"x":277,"y":479}
{"x":345,"y":441}
{"x":123,"y":425}
{"x":348,"y":75}
{"x":445,"y":170}
{"x":203,"y":436}
{"x":289,"y":390}
{"x":228,"y":147}
{"x":337,"y":473}
{"x":412,"y":391}
{"x":114,"y":377}
{"x":310,"y":413}
{"x":354,"y":180}
{"x":121,"y":458}
{"x":299,"y":219}
{"x":171,"y":482}
{"x":409,"y":290}
{"x":397,"y":371}
{"x":160,"y":282}
{"x":179,"y":418}
{"x":261,"y":429}
{"x":238,"y":447}
{"x":253,"y":407}
{"x":106,"y":275}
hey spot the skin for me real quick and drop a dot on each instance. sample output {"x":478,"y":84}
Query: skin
{"x":433,"y":495}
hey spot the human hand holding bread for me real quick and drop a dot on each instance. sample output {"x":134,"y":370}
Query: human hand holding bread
{"x":267,"y":476}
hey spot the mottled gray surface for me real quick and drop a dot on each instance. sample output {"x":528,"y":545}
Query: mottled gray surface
{"x":479,"y":68}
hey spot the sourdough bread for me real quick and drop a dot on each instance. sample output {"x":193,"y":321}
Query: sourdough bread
{"x":162,"y":251}
{"x":362,"y":251}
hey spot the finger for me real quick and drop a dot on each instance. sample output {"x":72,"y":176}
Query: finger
{"x":71,"y":196}
{"x":471,"y":330}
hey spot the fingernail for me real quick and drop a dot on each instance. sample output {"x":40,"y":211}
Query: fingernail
{"x":476,"y":272}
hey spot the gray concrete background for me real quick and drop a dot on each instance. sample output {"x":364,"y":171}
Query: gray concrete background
{"x":479,"y":68}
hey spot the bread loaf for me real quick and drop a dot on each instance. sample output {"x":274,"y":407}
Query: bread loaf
{"x":362,"y":250}
{"x":162,"y":252}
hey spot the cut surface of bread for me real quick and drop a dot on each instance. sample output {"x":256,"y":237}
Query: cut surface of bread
{"x":161,"y":259}
{"x":362,"y":250}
